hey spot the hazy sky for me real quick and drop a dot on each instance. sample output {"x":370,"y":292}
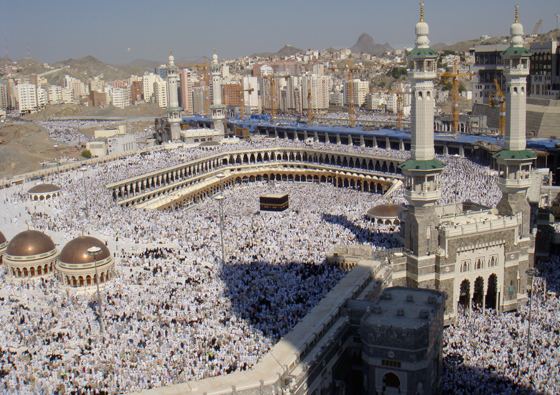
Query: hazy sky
{"x":62,"y":29}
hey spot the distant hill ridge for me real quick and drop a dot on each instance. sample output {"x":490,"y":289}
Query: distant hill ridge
{"x":366,"y":44}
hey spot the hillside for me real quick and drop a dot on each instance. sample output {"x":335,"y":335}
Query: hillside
{"x":366,"y":44}
{"x":67,"y":110}
{"x":286,"y":51}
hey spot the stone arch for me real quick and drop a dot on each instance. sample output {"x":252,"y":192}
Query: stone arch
{"x":492,"y":291}
{"x":391,"y":380}
{"x":478,"y":292}
{"x":464,"y":293}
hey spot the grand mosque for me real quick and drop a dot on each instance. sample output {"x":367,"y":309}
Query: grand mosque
{"x":386,"y":317}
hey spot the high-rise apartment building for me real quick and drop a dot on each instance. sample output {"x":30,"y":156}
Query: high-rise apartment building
{"x":148,"y":80}
{"x":361,"y":89}
{"x":251,"y":99}
{"x":319,"y":87}
{"x":160,"y":92}
{"x":120,"y":97}
{"x":232,"y":94}
{"x":186,"y":82}
{"x":26,"y":95}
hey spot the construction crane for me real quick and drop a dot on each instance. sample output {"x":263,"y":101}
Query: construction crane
{"x":351,"y":69}
{"x":205,"y":80}
{"x":455,"y":95}
{"x":529,"y":40}
{"x":502,"y":104}
{"x":273,"y":79}
{"x":309,"y":106}
{"x":399,"y":92}
{"x":242,"y":106}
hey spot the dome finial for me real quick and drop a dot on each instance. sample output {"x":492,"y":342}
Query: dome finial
{"x":171,"y":52}
{"x":517,"y":13}
{"x":421,"y":12}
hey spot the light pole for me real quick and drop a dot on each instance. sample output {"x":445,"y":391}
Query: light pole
{"x":456,"y":360}
{"x":532,"y":272}
{"x":220,"y":198}
{"x":83,"y":170}
{"x":93,"y":251}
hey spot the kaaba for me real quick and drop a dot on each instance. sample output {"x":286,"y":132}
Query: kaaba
{"x":274,"y":202}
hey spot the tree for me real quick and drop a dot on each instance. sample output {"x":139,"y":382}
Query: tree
{"x":86,"y":153}
{"x":382,"y":84}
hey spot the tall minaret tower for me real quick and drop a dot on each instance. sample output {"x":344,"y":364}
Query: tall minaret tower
{"x":423,"y":170}
{"x":173,"y":111}
{"x":217,"y":108}
{"x":514,"y":160}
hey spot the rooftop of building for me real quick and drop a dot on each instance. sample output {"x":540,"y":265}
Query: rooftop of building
{"x":403,"y":307}
{"x":537,"y":143}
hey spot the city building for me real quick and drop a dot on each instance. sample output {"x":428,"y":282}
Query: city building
{"x":120,"y":97}
{"x":26,"y":98}
{"x":361,"y":89}
{"x":251,"y":97}
{"x":488,"y":66}
{"x":232,"y":94}
{"x":544,"y":79}
{"x":160,"y":92}
{"x":148,"y":81}
{"x":186,"y":83}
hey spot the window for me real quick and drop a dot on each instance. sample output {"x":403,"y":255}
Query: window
{"x":480,"y":263}
{"x":392,"y":364}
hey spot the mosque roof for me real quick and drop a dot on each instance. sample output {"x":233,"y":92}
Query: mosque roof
{"x":30,"y":242}
{"x":412,"y":164}
{"x":44,"y":188}
{"x":385,"y":211}
{"x":520,"y":155}
{"x":422,"y":52}
{"x":517,"y":51}
{"x":75,"y":251}
{"x":2,"y":238}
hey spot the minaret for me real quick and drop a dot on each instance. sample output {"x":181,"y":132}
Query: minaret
{"x":217,"y":108}
{"x":514,"y":160}
{"x":173,"y":111}
{"x":423,"y":170}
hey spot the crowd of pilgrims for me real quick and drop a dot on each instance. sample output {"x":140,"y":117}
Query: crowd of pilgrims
{"x":494,"y":346}
{"x":68,"y":131}
{"x":175,"y":313}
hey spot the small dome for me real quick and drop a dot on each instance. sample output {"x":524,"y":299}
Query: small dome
{"x":44,"y":188}
{"x":30,"y":242}
{"x":422,"y":29}
{"x":2,"y":238}
{"x":75,"y":251}
{"x":385,"y":211}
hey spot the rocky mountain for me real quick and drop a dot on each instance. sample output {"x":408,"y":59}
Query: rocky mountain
{"x":286,"y":51}
{"x":366,"y":44}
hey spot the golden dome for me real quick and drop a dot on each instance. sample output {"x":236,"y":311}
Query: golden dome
{"x":30,"y":242}
{"x":44,"y":188}
{"x":75,"y":251}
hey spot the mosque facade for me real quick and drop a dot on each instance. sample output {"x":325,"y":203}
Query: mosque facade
{"x":471,"y":252}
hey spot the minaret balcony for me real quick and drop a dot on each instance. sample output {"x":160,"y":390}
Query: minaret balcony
{"x":514,"y":183}
{"x":422,"y":196}
{"x":422,"y":75}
